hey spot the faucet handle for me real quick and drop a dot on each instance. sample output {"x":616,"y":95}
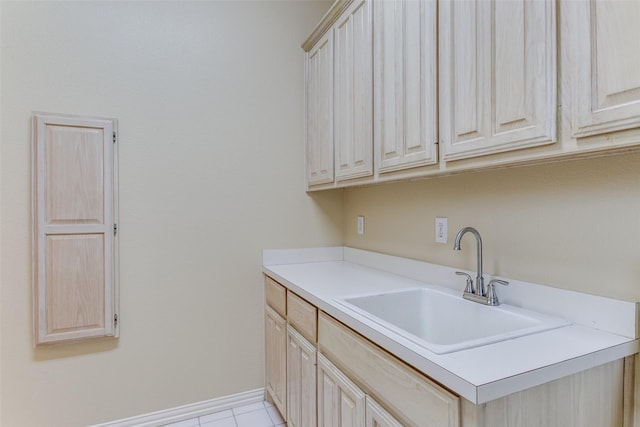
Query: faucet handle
{"x":492,"y":296}
{"x":469,"y":288}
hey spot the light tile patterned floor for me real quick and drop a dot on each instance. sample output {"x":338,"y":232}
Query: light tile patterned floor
{"x":262,"y":414}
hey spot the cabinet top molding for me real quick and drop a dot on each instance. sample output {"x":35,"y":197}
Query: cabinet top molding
{"x":325,"y":23}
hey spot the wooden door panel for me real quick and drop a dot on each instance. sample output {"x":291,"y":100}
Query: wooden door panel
{"x":74,"y":185}
{"x":76,"y":296}
{"x":319,"y":112}
{"x":603,"y":47}
{"x":353,"y":87}
{"x":75,"y":278}
{"x":497,"y":76}
{"x":405,"y":125}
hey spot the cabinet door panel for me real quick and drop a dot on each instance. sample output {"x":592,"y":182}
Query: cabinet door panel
{"x":353,"y":92}
{"x":605,"y":68}
{"x":415,"y":398}
{"x":276,"y":359}
{"x":301,"y":380}
{"x":340,"y":402}
{"x":405,"y":83}
{"x":319,"y":111}
{"x":497,"y":75}
{"x":303,"y":316}
{"x":377,"y":417}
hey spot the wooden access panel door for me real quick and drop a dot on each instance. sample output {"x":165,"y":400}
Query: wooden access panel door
{"x":74,"y":219}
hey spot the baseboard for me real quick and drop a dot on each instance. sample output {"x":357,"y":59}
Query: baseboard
{"x":192,"y":410}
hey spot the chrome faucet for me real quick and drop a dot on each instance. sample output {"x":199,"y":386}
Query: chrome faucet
{"x":479,"y":288}
{"x":478,"y":293}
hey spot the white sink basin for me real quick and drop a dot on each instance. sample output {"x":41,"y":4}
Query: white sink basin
{"x":444,"y":322}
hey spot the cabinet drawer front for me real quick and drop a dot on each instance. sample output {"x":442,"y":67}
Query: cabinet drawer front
{"x":414,"y":399}
{"x":276,"y":296}
{"x":303,"y":316}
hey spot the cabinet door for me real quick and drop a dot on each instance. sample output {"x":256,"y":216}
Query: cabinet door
{"x":414,"y":398}
{"x":605,"y":65}
{"x":405,"y":44}
{"x":319,"y":111}
{"x":377,"y":416}
{"x":497,"y":76}
{"x":340,"y":402}
{"x":301,"y":380}
{"x":276,"y":359}
{"x":353,"y":89}
{"x":74,"y":238}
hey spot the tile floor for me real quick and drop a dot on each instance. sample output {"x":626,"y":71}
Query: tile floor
{"x":262,"y":414}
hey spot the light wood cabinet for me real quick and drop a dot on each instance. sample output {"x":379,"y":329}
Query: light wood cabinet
{"x":340,"y":402}
{"x":275,"y":296}
{"x":303,"y":316}
{"x":460,"y":86}
{"x":346,"y":380}
{"x":592,"y":398}
{"x":301,"y":380}
{"x":405,"y":84}
{"x":419,"y":401}
{"x":352,"y":92}
{"x":605,"y":65}
{"x":276,"y":359}
{"x":75,"y":242}
{"x":377,"y":416}
{"x":339,"y":95}
{"x":497,"y":76}
{"x":319,"y":111}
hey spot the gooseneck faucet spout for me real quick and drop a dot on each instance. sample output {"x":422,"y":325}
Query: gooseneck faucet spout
{"x":479,"y":288}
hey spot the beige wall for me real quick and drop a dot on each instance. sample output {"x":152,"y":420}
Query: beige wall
{"x":573,"y":225}
{"x":209,"y":98}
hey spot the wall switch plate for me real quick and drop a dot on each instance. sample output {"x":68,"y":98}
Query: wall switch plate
{"x":360,"y":225}
{"x":441,"y":230}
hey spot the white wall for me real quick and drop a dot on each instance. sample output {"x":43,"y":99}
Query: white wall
{"x":209,"y":99}
{"x":572,"y":225}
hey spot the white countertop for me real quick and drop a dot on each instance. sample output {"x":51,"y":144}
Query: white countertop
{"x":602,"y":329}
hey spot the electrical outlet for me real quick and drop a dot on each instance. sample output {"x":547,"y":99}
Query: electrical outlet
{"x":360,"y":225}
{"x":442,"y":232}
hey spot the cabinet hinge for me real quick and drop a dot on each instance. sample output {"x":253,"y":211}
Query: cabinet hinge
{"x":114,"y":137}
{"x":115,"y":229}
{"x":115,"y":320}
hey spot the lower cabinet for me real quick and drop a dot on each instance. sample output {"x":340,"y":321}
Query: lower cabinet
{"x":376,"y":416}
{"x":340,"y":402}
{"x":416,"y":399}
{"x":276,"y":359}
{"x":309,"y":385}
{"x":301,"y":380}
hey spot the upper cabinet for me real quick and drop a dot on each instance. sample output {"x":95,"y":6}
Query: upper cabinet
{"x":497,"y":76}
{"x":339,"y":95}
{"x":605,"y":65}
{"x":353,"y":101}
{"x":319,"y":111}
{"x":405,"y":84}
{"x":402,"y":89}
